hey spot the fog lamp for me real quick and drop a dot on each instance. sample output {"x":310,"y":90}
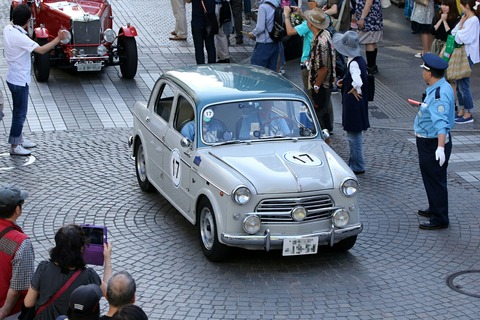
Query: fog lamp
{"x":101,"y":50}
{"x":299,"y":213}
{"x":340,"y":218}
{"x":251,"y":224}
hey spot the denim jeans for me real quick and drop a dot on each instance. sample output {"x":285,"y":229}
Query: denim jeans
{"x":464,"y":94}
{"x":265,"y":55}
{"x":356,"y":162}
{"x":19,"y":113}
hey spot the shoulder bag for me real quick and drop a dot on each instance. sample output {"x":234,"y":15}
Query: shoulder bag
{"x":458,"y":66}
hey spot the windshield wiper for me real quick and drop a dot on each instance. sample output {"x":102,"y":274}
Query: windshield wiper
{"x":224,"y":143}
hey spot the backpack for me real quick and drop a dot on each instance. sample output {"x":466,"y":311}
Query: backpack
{"x":225,"y":14}
{"x":278,"y":31}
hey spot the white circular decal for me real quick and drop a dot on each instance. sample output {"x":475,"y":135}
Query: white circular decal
{"x":7,"y":162}
{"x":302,"y":158}
{"x":175,"y":167}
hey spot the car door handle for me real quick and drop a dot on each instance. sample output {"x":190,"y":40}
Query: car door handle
{"x":147,"y":119}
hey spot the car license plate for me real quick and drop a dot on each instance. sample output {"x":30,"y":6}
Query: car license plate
{"x":89,"y":66}
{"x":300,"y":246}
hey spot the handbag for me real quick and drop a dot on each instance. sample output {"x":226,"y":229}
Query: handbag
{"x":458,"y":66}
{"x":385,"y":3}
{"x":210,"y":20}
{"x":422,"y":2}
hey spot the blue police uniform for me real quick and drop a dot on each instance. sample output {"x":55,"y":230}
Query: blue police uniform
{"x":435,"y":116}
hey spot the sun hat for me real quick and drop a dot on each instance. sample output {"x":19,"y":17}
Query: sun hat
{"x":318,"y":18}
{"x":347,"y":44}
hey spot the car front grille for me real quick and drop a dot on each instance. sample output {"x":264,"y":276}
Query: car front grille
{"x":279,"y":210}
{"x":86,"y":36}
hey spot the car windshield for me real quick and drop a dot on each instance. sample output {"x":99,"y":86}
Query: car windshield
{"x":256,"y":120}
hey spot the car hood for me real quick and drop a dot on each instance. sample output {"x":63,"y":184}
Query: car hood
{"x":79,"y":10}
{"x":281,"y":167}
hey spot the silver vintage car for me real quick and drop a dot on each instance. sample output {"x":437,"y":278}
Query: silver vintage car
{"x":236,"y":150}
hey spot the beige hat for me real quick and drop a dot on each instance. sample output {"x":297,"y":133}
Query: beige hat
{"x":318,"y":18}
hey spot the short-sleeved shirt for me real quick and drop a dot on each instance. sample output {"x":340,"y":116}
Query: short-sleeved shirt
{"x":304,"y":31}
{"x":436,"y":115}
{"x":17,"y":49}
{"x":48,"y":279}
{"x":322,"y":54}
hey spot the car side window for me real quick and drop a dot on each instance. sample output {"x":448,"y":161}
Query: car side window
{"x":183,"y":114}
{"x":164,"y":102}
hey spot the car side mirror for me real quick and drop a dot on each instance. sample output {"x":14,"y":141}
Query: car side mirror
{"x":185,"y":142}
{"x":325,"y":134}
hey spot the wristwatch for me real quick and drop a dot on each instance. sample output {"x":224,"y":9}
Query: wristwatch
{"x":316,"y":88}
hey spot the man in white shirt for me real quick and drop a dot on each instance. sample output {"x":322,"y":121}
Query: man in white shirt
{"x":18,"y":48}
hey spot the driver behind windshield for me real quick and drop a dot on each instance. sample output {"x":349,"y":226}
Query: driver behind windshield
{"x":264,"y":123}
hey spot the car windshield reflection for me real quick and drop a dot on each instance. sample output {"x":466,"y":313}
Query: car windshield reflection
{"x":238,"y":122}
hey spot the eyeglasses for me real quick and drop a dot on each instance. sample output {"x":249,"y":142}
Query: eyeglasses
{"x":425,"y":67}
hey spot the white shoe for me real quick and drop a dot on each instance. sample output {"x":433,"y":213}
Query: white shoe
{"x":418,"y":55}
{"x":28,"y":144}
{"x":19,"y":151}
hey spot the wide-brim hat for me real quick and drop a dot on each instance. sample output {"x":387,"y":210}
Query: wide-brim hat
{"x":318,"y":18}
{"x":347,"y":44}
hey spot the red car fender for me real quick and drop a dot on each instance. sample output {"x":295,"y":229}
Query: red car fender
{"x":41,"y":33}
{"x":128,"y":31}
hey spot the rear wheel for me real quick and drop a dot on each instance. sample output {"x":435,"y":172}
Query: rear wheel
{"x":128,"y":56}
{"x":141,"y":169}
{"x":345,"y":244}
{"x":41,"y":63}
{"x":207,"y":232}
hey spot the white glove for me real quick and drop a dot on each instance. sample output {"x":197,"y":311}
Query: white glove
{"x":440,"y":155}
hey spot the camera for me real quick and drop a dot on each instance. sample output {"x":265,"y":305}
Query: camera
{"x":96,"y":236}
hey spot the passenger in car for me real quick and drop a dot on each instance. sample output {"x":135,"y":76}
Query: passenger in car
{"x":213,"y":130}
{"x":263,"y":122}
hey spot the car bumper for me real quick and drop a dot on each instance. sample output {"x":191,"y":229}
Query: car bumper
{"x":269,"y":240}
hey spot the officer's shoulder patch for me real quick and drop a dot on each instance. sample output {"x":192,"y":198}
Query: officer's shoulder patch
{"x":441,"y":108}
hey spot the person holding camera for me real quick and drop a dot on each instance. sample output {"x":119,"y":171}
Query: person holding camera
{"x":17,"y":257}
{"x":54,"y":280}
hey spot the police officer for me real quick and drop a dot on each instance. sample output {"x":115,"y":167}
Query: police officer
{"x":433,"y":123}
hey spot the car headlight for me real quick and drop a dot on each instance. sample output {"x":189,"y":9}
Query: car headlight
{"x":340,"y":218}
{"x":109,"y":35}
{"x":251,"y":224}
{"x":241,"y":195}
{"x":68,"y":37}
{"x":299,"y":213}
{"x":101,"y":50}
{"x":349,"y":187}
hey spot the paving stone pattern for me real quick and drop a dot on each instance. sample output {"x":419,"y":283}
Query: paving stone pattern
{"x":82,"y":173}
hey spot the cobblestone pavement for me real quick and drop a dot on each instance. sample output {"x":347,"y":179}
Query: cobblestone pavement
{"x":81,"y":172}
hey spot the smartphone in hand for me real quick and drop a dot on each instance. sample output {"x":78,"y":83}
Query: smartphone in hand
{"x":96,"y":236}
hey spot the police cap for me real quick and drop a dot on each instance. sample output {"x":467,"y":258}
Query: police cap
{"x":433,"y":61}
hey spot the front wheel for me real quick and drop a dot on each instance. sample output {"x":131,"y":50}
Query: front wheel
{"x":207,"y":232}
{"x":141,"y":169}
{"x":41,"y":63}
{"x":128,"y":56}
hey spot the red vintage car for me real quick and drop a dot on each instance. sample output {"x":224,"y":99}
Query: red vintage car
{"x":92,"y":43}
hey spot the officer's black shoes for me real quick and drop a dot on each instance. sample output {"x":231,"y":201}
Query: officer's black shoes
{"x":427,"y":225}
{"x":425,"y":213}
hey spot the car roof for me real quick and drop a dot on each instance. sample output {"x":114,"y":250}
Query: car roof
{"x":211,"y":83}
